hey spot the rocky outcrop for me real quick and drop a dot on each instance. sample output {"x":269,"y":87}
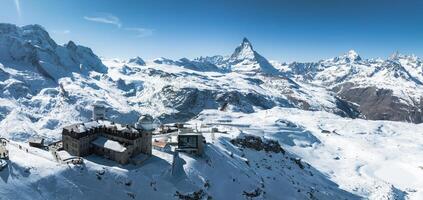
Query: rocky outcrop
{"x":258,"y":144}
{"x":191,"y":101}
{"x":137,"y":60}
{"x":381,"y":104}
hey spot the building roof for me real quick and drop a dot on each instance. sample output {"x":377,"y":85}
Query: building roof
{"x":36,"y":140}
{"x":160,"y":143}
{"x":185,"y":130}
{"x":108,"y":144}
{"x":83,"y":127}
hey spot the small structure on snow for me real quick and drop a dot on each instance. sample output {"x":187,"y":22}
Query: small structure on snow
{"x":190,"y":141}
{"x":36,"y":142}
{"x":162,"y":144}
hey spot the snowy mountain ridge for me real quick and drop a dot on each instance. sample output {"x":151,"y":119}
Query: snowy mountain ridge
{"x":388,"y":89}
{"x":31,"y":45}
{"x":316,"y":111}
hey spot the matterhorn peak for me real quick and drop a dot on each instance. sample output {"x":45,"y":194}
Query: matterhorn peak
{"x":246,"y":42}
{"x":245,"y":59}
{"x":243,"y":51}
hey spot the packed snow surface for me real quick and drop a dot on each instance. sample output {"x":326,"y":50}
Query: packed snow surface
{"x":351,"y":159}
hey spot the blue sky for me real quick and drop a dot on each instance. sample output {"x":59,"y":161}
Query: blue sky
{"x":301,"y":30}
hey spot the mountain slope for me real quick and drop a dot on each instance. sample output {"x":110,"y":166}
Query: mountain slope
{"x":32,"y":46}
{"x":384,"y":89}
{"x":245,"y":59}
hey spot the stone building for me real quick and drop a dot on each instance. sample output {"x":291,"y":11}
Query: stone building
{"x":111,"y":140}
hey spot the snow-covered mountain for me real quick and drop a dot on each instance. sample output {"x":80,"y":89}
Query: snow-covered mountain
{"x":32,"y":46}
{"x":245,"y":59}
{"x":388,"y":89}
{"x":137,"y":60}
{"x":312,"y":110}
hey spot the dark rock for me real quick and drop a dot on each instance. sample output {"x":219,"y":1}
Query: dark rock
{"x":256,"y":143}
{"x":197,"y":195}
{"x":380,"y":104}
{"x":252,"y":194}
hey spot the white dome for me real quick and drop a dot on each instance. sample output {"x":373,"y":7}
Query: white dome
{"x":146,"y":122}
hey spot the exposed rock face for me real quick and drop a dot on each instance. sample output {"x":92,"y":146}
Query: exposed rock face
{"x":198,"y":65}
{"x":390,"y":89}
{"x":380,"y":104}
{"x":256,"y":143}
{"x":245,"y":59}
{"x":191,"y":101}
{"x":347,"y":109}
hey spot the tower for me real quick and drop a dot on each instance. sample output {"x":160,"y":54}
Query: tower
{"x":146,"y":122}
{"x":99,"y":112}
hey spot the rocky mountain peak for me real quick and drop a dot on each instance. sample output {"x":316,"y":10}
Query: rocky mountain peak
{"x":33,"y":45}
{"x":34,"y":34}
{"x":350,"y":56}
{"x":137,"y":60}
{"x":396,"y":56}
{"x":353,"y":55}
{"x":246,"y":43}
{"x":71,"y":45}
{"x":245,"y":59}
{"x":244,"y":51}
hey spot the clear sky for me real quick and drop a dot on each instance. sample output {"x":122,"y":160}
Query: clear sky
{"x":297,"y":30}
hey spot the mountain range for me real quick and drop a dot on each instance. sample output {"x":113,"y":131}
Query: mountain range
{"x":45,"y":86}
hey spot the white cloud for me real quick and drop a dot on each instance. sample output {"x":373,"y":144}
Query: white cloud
{"x":105,"y":18}
{"x":18,"y":7}
{"x":141,"y":32}
{"x":108,"y":18}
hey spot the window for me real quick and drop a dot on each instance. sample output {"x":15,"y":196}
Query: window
{"x":187,"y":142}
